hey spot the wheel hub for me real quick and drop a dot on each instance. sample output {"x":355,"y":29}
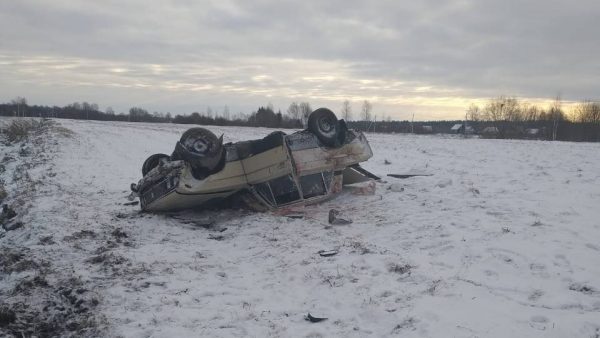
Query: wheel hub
{"x":325,"y":125}
{"x":200,"y":146}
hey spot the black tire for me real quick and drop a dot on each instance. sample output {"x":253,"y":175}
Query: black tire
{"x":200,"y":141}
{"x":325,"y":125}
{"x":202,"y":149}
{"x":152,"y":162}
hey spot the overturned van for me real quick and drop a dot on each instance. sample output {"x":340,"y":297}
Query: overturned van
{"x":278,"y":171}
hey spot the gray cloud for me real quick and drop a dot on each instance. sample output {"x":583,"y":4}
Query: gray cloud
{"x":424,"y":56}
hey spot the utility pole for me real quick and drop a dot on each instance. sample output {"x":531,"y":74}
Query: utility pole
{"x":412,"y":124}
{"x":465,"y":127}
{"x":374,"y":122}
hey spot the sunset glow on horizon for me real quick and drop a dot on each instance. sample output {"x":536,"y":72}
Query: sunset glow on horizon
{"x":433,"y":61}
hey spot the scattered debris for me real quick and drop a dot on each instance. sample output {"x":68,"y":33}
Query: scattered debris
{"x":327,"y":253}
{"x":312,"y":319}
{"x":403,"y":176}
{"x":386,"y":162}
{"x":366,"y":189}
{"x":335,"y":220}
{"x":365,"y":172}
{"x":132,"y":203}
{"x":297,"y":215}
{"x":396,"y":187}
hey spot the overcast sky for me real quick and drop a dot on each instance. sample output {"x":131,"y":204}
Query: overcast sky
{"x":431,"y":58}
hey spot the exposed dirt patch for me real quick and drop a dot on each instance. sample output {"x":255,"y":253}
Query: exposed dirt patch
{"x":358,"y":247}
{"x":46,"y":240}
{"x":585,"y":289}
{"x":81,"y":235}
{"x":45,"y":310}
{"x":18,"y":260}
{"x":39,"y":297}
{"x":400,"y":268}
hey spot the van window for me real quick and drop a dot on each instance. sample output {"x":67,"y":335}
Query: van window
{"x":312,"y":185}
{"x":284,"y":189}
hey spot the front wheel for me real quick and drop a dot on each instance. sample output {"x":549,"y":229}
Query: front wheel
{"x":153,"y":161}
{"x":325,"y":125}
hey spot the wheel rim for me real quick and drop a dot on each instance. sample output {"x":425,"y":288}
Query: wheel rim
{"x":326,"y":125}
{"x":200,"y":146}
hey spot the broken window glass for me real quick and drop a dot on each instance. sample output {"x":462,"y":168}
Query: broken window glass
{"x":284,"y":189}
{"x":327,"y":178}
{"x":265,"y":192}
{"x":312,"y":185}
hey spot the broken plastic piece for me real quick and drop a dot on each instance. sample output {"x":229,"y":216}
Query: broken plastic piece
{"x":365,"y":189}
{"x":314,"y":319}
{"x":327,"y":253}
{"x":402,"y":176}
{"x":335,"y":220}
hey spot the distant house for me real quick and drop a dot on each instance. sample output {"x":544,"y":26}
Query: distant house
{"x":427,"y":129}
{"x":459,"y":128}
{"x":490,"y":132}
{"x":533,"y":133}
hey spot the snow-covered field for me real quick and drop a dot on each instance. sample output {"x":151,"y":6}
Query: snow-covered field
{"x":503,"y":240}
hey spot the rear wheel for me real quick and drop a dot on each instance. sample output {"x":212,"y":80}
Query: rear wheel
{"x":200,"y":141}
{"x":325,"y":125}
{"x":153,"y":161}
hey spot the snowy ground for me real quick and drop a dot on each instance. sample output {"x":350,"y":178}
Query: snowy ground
{"x":502,"y":240}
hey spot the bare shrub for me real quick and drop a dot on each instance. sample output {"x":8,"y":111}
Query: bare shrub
{"x":19,"y":129}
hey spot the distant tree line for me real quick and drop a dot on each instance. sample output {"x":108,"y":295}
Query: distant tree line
{"x":512,"y":118}
{"x":263,"y":117}
{"x":501,"y":117}
{"x":507,"y":117}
